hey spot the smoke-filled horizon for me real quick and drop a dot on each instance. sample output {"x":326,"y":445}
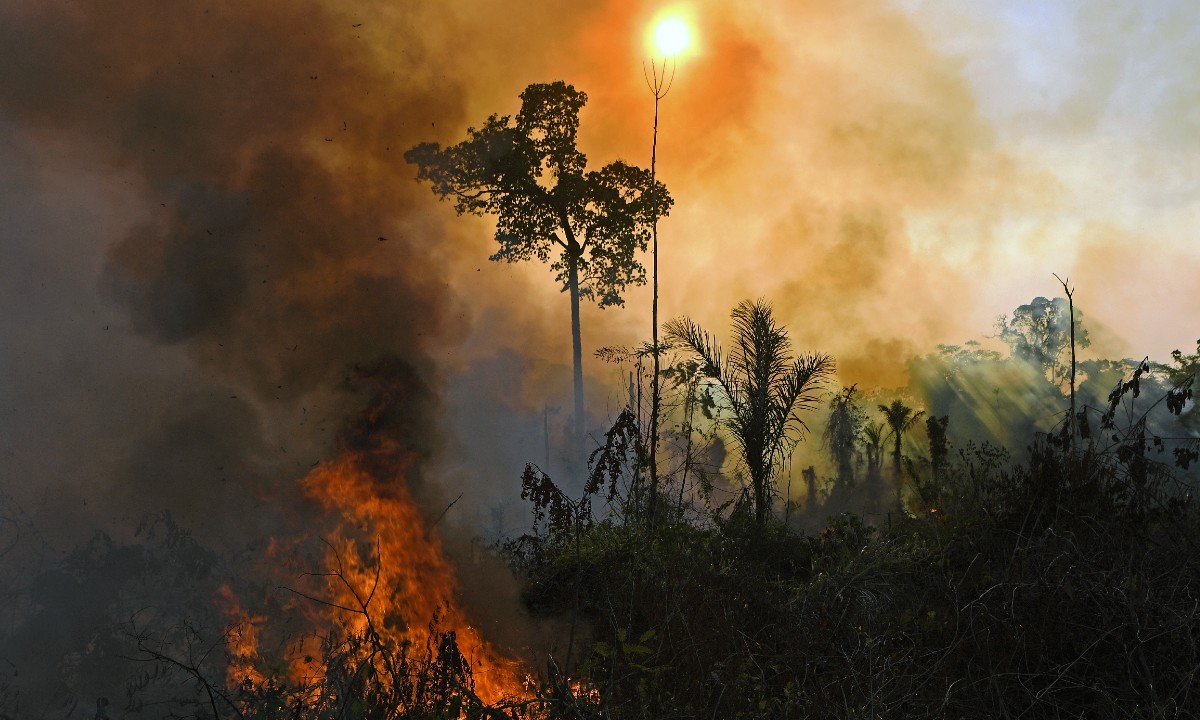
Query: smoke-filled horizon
{"x":207,"y":229}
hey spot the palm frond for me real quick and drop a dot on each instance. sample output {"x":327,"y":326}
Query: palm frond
{"x":900,"y":417}
{"x":764,"y":387}
{"x":692,"y":337}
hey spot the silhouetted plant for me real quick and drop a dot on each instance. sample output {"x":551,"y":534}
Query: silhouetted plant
{"x":900,"y":419}
{"x":763,"y":388}
{"x":873,"y":439}
{"x":939,"y":445}
{"x":689,"y":407}
{"x":843,"y":432}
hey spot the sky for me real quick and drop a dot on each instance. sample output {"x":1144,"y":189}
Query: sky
{"x":1104,"y":100}
{"x":209,"y":239}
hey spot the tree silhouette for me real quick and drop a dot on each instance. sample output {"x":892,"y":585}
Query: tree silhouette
{"x":900,"y":419}
{"x":1186,"y":366}
{"x":843,"y":432}
{"x":528,"y":173}
{"x":939,"y":446}
{"x":763,"y":386}
{"x":873,"y":439}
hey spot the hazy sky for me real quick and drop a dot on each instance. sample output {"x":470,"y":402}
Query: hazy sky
{"x":206,"y":223}
{"x":1104,"y":99}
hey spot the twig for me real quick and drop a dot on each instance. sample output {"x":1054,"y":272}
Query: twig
{"x":442,"y":515}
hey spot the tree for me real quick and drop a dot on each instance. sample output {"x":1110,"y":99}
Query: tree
{"x":1186,"y":366}
{"x":900,"y":419}
{"x":1183,"y":377}
{"x":528,"y":173}
{"x":939,"y":446}
{"x":843,"y":432}
{"x":873,"y":438}
{"x":763,"y":387}
{"x":1040,"y":334}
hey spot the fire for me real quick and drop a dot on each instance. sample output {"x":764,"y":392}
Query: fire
{"x":412,"y":580}
{"x":395,"y":586}
{"x":241,"y":639}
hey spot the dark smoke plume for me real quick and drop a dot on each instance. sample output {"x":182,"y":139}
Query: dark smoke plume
{"x":260,"y":143}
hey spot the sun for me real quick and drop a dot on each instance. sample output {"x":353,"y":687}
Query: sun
{"x":671,"y":36}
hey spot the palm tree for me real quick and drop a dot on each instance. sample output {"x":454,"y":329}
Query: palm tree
{"x":900,"y":419}
{"x":763,"y":386}
{"x":873,"y":438}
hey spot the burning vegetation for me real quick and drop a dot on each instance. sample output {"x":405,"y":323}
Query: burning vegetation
{"x":400,"y":592}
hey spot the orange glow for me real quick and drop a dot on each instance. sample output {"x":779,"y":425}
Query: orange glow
{"x":241,"y":639}
{"x":670,"y":34}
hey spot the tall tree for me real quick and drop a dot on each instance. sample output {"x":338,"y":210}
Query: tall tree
{"x":900,"y":419}
{"x":529,"y":174}
{"x":763,"y":386}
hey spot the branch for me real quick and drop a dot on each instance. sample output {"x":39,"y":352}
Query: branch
{"x":432,"y":525}
{"x":320,"y":601}
{"x":192,"y":669}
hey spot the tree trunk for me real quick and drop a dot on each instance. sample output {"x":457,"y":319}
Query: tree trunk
{"x":762,"y":493}
{"x":654,"y":392}
{"x":577,"y":355}
{"x":761,"y":503}
{"x":899,"y":483}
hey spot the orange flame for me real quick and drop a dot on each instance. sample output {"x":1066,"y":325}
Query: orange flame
{"x":241,"y":639}
{"x":401,"y":585}
{"x":409,"y":581}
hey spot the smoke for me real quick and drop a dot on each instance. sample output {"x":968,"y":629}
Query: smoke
{"x":230,"y":171}
{"x":258,"y":249}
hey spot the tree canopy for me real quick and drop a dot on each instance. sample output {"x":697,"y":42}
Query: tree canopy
{"x":1040,"y":334}
{"x":530,"y":175}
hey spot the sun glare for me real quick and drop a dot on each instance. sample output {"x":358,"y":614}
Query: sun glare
{"x":671,"y":36}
